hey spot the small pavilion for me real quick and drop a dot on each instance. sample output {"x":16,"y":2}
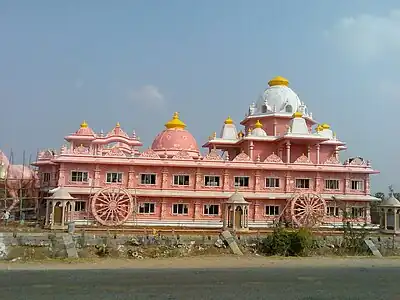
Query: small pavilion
{"x":236,"y":213}
{"x":58,"y":208}
{"x":389,"y":211}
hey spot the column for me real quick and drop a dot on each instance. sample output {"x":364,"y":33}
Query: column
{"x":280,"y":152}
{"x":224,"y":215}
{"x":46,"y":220}
{"x":163,"y":209}
{"x":317,"y":148}
{"x":274,"y":128}
{"x":257,"y":181}
{"x":233,"y":214}
{"x":198,"y":182}
{"x":226,"y":181}
{"x":385,"y":220}
{"x":318,"y":187}
{"x":287,"y":183}
{"x":251,"y":150}
{"x":347,"y":184}
{"x":62,"y":213}
{"x":164,"y":178}
{"x":336,"y":152}
{"x":255,"y":210}
{"x":309,"y":152}
{"x":96,"y":178}
{"x":367,"y":186}
{"x":288,"y":152}
{"x":196,"y":211}
{"x":61,"y":177}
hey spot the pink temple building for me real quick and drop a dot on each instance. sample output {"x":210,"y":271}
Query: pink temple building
{"x":282,"y":166}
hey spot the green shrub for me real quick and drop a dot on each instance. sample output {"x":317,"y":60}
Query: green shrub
{"x":288,"y":243}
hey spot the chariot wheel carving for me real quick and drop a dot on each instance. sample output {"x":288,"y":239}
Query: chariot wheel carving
{"x":112,"y":206}
{"x":308,"y":209}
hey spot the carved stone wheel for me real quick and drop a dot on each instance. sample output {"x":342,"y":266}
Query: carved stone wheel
{"x":308,"y":209}
{"x":112,"y":206}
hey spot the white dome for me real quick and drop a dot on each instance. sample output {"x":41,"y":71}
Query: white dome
{"x":278,"y":98}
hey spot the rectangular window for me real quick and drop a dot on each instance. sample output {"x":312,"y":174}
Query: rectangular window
{"x":181,"y":179}
{"x":80,"y":206}
{"x":77,"y":176}
{"x":242,"y":181}
{"x":211,"y":210}
{"x":147,"y":208}
{"x":332,"y":184}
{"x":272,"y":210}
{"x":332,"y":211}
{"x":211,"y":180}
{"x":271,"y":182}
{"x":46,"y":177}
{"x":148,"y":179}
{"x":303,"y":183}
{"x":357,"y":185}
{"x":357,"y":212}
{"x":114,"y":177}
{"x":180,"y":209}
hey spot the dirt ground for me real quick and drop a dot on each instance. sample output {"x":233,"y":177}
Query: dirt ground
{"x":203,"y":262}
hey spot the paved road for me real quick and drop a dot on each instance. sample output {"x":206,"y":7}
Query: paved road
{"x":256,"y":283}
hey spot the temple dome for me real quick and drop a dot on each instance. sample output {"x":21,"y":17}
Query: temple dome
{"x":175,"y":138}
{"x":278,"y":97}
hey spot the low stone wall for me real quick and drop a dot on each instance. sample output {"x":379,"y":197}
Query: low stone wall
{"x":54,"y":245}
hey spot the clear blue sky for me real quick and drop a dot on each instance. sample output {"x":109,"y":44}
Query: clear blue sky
{"x":136,"y":62}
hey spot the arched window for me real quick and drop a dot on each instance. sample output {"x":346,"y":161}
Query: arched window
{"x":264,"y":109}
{"x":289,"y":109}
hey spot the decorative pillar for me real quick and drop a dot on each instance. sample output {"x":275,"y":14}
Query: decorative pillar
{"x":61,"y":177}
{"x":96,"y":182}
{"x":62,"y":213}
{"x":288,"y":152}
{"x":274,"y":128}
{"x":336,"y":152}
{"x":280,"y":152}
{"x":257,"y":181}
{"x":226,"y":181}
{"x":224,"y":215}
{"x":46,"y":220}
{"x":287,"y":183}
{"x":318,"y":187}
{"x":163,"y":209}
{"x":367,"y":190}
{"x":346,"y":184}
{"x":233,"y":217}
{"x":318,"y":147}
{"x":251,"y":150}
{"x":164,"y":178}
{"x":198,"y":181}
{"x":131,"y":178}
{"x":196,"y":210}
{"x":385,"y":220}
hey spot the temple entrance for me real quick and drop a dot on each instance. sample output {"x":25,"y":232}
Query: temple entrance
{"x":238,"y":217}
{"x":58,"y":214}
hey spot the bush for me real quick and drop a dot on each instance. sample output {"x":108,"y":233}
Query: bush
{"x":288,"y":243}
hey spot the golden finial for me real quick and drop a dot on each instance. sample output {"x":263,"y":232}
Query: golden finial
{"x":214,"y":135}
{"x":84,"y":124}
{"x":278,"y":80}
{"x":325,"y":126}
{"x":240,"y":134}
{"x":117,"y":125}
{"x":175,"y":122}
{"x":228,"y":120}
{"x":319,"y":128}
{"x":297,"y":114}
{"x":258,"y":124}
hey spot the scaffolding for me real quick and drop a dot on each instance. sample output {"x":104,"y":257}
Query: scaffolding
{"x":19,"y":194}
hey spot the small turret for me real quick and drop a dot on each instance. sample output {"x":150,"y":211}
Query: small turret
{"x":229,"y":131}
{"x":258,"y":130}
{"x":298,"y":124}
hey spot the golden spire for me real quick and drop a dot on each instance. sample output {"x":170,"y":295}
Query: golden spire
{"x":84,"y":124}
{"x":297,"y":114}
{"x":325,"y":126}
{"x":118,"y":125}
{"x":319,"y":128}
{"x":228,"y":120}
{"x":278,"y":80}
{"x":175,"y":122}
{"x":258,"y":124}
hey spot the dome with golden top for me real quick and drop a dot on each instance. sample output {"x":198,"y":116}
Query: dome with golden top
{"x":175,"y":138}
{"x":84,"y":130}
{"x":278,"y":98}
{"x":258,"y":130}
